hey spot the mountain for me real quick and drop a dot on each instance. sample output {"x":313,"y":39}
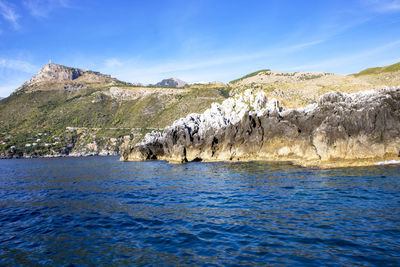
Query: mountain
{"x":69,"y":111}
{"x":171,"y":83}
{"x":63,"y":110}
{"x":57,"y":77}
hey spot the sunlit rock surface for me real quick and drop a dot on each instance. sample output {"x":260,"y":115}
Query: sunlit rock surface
{"x":340,"y":130}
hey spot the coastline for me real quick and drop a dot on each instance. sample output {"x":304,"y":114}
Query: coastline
{"x":341,"y":130}
{"x":72,"y":155}
{"x":330,"y":164}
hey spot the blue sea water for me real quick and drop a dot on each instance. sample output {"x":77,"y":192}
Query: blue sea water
{"x":100,"y":211}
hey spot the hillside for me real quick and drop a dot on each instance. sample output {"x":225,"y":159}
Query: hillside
{"x":301,"y":88}
{"x":379,"y":70}
{"x":63,"y":110}
{"x":387,"y":75}
{"x":87,"y":112}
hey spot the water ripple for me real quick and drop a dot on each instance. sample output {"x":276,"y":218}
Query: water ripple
{"x":99,"y":211}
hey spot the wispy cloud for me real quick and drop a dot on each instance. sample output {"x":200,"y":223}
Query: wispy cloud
{"x":183,"y":66}
{"x":383,"y":6}
{"x":42,"y":8}
{"x":7,"y":11}
{"x":135,"y":69}
{"x":13,"y":72}
{"x":5,"y":90}
{"x":345,"y":60}
{"x":263,"y":54}
{"x":112,"y":62}
{"x":18,"y":65}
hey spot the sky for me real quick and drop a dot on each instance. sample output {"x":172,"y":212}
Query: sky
{"x":196,"y":41}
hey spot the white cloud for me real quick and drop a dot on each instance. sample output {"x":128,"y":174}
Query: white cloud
{"x":42,"y":8}
{"x":112,"y":63}
{"x":5,"y":90}
{"x":18,"y":65}
{"x":8,"y":13}
{"x":13,"y":72}
{"x":345,"y":60}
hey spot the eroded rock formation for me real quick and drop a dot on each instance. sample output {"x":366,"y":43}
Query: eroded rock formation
{"x":340,"y":130}
{"x":54,"y":76}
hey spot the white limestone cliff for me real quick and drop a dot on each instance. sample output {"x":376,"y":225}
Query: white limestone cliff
{"x":340,"y":130}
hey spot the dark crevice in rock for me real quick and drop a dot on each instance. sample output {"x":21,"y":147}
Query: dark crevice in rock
{"x":184,"y":155}
{"x":252,"y":121}
{"x":262,"y":132}
{"x":214,"y":141}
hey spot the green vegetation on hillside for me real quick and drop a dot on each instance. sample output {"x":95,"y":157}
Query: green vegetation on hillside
{"x":53,"y":117}
{"x":93,"y":112}
{"x":378,"y":70}
{"x":248,"y":76}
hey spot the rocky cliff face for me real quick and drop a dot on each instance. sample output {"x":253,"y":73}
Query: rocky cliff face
{"x":54,"y":72}
{"x":57,"y":76}
{"x":340,"y":130}
{"x":171,"y":83}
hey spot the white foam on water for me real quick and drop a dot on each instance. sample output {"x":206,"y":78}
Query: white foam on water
{"x":388,"y":162}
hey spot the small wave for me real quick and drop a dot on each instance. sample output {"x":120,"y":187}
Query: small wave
{"x":388,"y":162}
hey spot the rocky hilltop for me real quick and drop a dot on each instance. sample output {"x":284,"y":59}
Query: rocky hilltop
{"x":339,"y":130}
{"x":171,"y":83}
{"x":54,"y":76}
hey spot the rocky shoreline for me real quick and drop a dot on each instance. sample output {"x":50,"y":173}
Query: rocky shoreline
{"x":82,"y":144}
{"x":72,"y":155}
{"x":339,"y":130}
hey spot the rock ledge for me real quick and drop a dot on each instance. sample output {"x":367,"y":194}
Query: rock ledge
{"x":340,"y":130}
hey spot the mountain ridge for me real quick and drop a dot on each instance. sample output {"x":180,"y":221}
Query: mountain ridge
{"x":54,"y":77}
{"x":64,"y":77}
{"x":171,"y":83}
{"x":93,"y":113}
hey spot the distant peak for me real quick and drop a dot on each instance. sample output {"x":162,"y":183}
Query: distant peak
{"x":171,"y":82}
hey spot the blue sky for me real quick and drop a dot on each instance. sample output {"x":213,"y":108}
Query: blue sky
{"x":203,"y":40}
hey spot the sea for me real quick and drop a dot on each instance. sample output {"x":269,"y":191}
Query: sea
{"x":99,"y":211}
